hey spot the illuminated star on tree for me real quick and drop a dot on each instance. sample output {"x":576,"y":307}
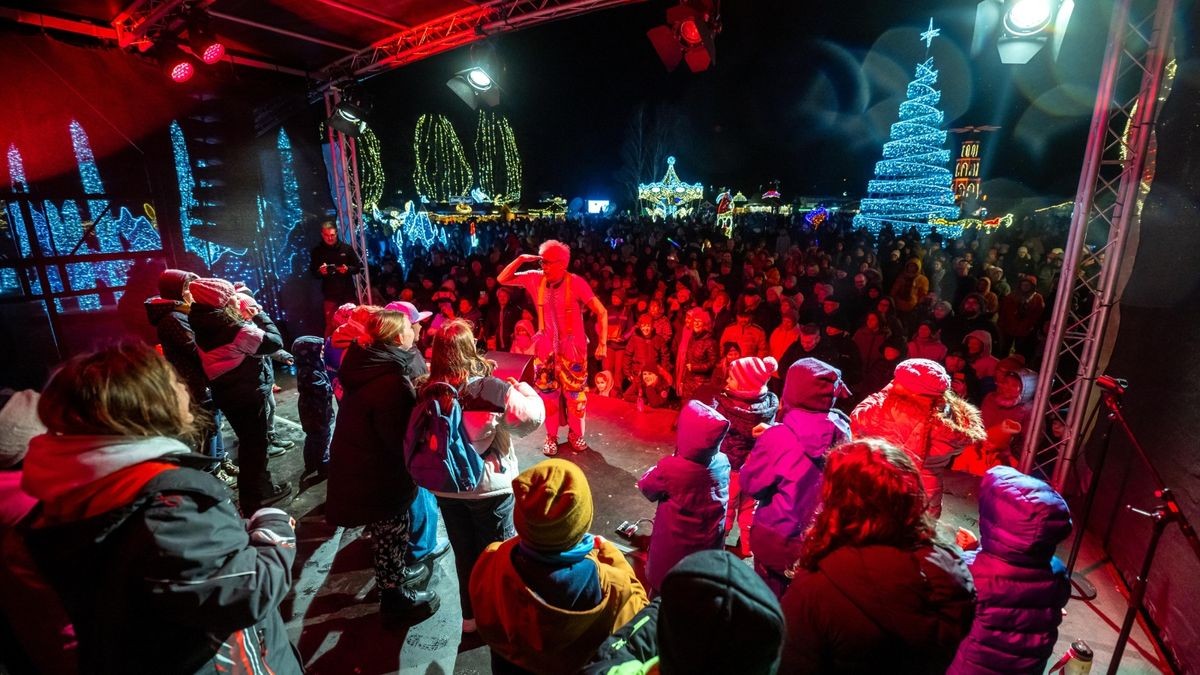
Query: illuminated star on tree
{"x":927,"y":36}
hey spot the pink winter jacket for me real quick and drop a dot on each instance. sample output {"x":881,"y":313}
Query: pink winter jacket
{"x":932,"y":433}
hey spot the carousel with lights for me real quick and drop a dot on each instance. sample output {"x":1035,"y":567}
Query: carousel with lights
{"x":670,"y":197}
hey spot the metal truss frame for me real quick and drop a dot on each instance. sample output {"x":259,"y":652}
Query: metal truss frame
{"x":1106,"y":209}
{"x":347,"y":196}
{"x":455,"y":30}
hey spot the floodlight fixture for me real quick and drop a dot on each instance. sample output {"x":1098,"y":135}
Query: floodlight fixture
{"x":1020,"y":29}
{"x":180,"y":67}
{"x":349,"y":118}
{"x":479,"y":79}
{"x":204,"y":42}
{"x":475,"y":87}
{"x":688,"y":35}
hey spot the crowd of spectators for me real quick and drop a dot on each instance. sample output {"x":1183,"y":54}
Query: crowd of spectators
{"x":684,"y":302}
{"x":825,"y":379}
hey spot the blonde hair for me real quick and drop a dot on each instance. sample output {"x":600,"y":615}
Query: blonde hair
{"x":455,"y":358}
{"x":385,"y":327}
{"x":124,"y":390}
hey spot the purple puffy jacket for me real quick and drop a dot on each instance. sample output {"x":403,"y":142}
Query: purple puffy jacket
{"x":1021,"y":586}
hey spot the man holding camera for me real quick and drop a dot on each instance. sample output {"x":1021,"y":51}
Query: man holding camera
{"x":560,"y":347}
{"x":335,"y":264}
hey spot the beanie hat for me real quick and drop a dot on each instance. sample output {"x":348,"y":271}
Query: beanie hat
{"x":710,"y":600}
{"x":19,"y":422}
{"x":172,"y":281}
{"x":751,"y":374}
{"x":812,"y":384}
{"x":212,"y":292}
{"x":553,"y":508}
{"x":700,"y":430}
{"x":922,"y":377}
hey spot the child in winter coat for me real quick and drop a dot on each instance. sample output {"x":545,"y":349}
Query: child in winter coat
{"x":700,"y":356}
{"x":692,"y":491}
{"x":746,"y":403}
{"x":315,"y":402}
{"x":926,"y":344}
{"x":651,"y":388}
{"x":1005,"y":413}
{"x":522,"y":340}
{"x":918,"y":413}
{"x":1021,"y":587}
{"x":333,"y":354}
{"x":784,"y":471}
{"x":546,"y":598}
{"x":644,"y":352}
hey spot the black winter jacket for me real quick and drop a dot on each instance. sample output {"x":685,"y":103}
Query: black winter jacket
{"x":743,"y":416}
{"x":368,"y":480}
{"x":172,"y":582}
{"x":336,"y":286}
{"x":221,"y":341}
{"x":170,"y":319}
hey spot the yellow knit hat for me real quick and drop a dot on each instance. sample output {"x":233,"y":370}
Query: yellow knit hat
{"x":553,"y":505}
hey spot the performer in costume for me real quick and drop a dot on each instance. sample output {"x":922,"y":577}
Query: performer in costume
{"x":560,"y":346}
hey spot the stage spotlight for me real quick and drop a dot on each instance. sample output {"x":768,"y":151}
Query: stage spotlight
{"x":348,"y":118}
{"x":181,"y":68}
{"x":204,"y":43}
{"x":1021,"y":28}
{"x":475,"y":86}
{"x":688,"y":35}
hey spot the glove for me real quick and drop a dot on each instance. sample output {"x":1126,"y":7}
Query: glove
{"x":272,"y":527}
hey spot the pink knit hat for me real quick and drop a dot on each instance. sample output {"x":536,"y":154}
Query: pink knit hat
{"x":922,"y":377}
{"x":211,"y":292}
{"x":751,"y":374}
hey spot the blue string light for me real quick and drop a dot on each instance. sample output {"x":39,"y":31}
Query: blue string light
{"x":209,"y":252}
{"x":912,"y":182}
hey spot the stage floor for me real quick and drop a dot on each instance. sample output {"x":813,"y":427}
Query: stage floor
{"x":332,"y":612}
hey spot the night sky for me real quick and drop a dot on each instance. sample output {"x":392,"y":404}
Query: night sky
{"x":802,"y":94}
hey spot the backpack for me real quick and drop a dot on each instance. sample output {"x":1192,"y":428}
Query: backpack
{"x":437,"y":451}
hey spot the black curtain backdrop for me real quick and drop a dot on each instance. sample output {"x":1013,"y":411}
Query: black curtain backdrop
{"x":1156,"y":349}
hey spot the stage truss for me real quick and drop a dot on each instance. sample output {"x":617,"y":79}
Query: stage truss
{"x":347,"y":196}
{"x":1107,"y":206}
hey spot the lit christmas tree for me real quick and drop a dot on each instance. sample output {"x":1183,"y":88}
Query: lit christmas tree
{"x":912,"y":182}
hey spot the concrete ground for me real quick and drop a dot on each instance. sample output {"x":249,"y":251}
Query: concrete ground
{"x":332,"y":613}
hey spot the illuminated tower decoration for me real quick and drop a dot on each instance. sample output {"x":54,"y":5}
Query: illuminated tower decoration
{"x":966,"y":171}
{"x":63,"y":229}
{"x":372,"y":169}
{"x":912,"y":184}
{"x":670,"y":197}
{"x":967,"y":181}
{"x":497,"y":158}
{"x":441,"y":170}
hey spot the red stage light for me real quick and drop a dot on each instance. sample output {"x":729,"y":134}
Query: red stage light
{"x":182,"y":71}
{"x":213,"y":53}
{"x":689,"y":32}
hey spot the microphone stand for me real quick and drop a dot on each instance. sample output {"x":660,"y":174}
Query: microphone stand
{"x":1165,"y":512}
{"x":1086,"y":590}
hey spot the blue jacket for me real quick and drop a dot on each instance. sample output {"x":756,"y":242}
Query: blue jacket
{"x":315,"y":390}
{"x":692,"y":491}
{"x":784,"y":470}
{"x":1021,"y":586}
